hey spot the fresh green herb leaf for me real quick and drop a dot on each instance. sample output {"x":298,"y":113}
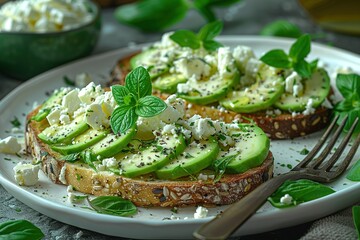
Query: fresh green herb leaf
{"x":356,"y":217}
{"x":220,"y":165}
{"x":349,"y":87}
{"x":301,"y":191}
{"x":174,"y":210}
{"x":186,"y":38}
{"x":295,"y":59}
{"x":113,"y":205}
{"x":281,"y":28}
{"x":123,"y":118}
{"x":150,"y":106}
{"x":304,"y":151}
{"x":69,"y":81}
{"x":152,"y":15}
{"x":301,"y":48}
{"x":71,"y":157}
{"x":354,"y":172}
{"x":15,"y":122}
{"x":119,"y":92}
{"x":20,"y":229}
{"x":138,"y":82}
{"x":276,"y":58}
{"x":207,"y":33}
{"x":210,"y":31}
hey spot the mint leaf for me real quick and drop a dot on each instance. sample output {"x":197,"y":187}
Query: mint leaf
{"x":348,"y":84}
{"x":301,"y":191}
{"x":303,"y":68}
{"x":354,"y":172}
{"x":281,"y":28}
{"x":113,"y":205}
{"x":119,"y":92}
{"x":211,"y":45}
{"x":210,"y":31}
{"x":186,"y":38}
{"x":138,"y":82}
{"x":150,"y":106}
{"x":276,"y":58}
{"x":20,"y":229}
{"x":301,"y":48}
{"x":123,"y":118}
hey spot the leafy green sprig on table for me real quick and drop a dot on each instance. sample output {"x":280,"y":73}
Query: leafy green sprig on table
{"x":113,"y":205}
{"x":157,"y":15}
{"x":294,"y":59}
{"x":20,"y":229}
{"x":205,"y":37}
{"x":134,"y":100}
{"x":349,"y":87}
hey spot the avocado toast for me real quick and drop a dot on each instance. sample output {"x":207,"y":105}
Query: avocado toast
{"x":228,"y":84}
{"x":163,"y":160}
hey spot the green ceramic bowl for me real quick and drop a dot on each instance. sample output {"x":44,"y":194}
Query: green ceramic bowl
{"x":24,"y":55}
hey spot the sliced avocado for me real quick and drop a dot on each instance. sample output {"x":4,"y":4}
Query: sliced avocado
{"x":147,"y":60}
{"x":167,"y":82}
{"x":259,"y":96}
{"x":84,"y":140}
{"x":112,"y":143}
{"x":53,"y":100}
{"x":153,"y":157}
{"x":316,"y":88}
{"x":250,"y":150}
{"x":64,"y":133}
{"x":196,"y":157}
{"x":211,"y":90}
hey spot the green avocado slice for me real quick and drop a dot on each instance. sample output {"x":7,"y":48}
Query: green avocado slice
{"x":196,"y":157}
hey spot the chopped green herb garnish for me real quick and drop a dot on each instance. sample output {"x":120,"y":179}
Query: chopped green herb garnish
{"x":15,"y":122}
{"x":304,"y":151}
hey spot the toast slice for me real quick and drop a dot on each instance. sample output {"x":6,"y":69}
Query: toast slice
{"x":277,"y":126}
{"x":145,"y":190}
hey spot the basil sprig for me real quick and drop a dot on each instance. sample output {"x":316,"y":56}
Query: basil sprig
{"x":301,"y":191}
{"x":113,"y":205}
{"x":20,"y":229}
{"x":157,"y":15}
{"x":205,"y":37}
{"x":294,"y":59}
{"x":134,"y":100}
{"x":349,"y":87}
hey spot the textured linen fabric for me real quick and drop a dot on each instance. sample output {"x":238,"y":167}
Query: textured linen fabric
{"x":334,"y":227}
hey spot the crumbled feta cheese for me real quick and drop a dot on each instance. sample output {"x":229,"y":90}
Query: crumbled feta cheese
{"x":201,"y":212}
{"x":89,"y":93}
{"x":26,"y":174}
{"x":286,"y":199}
{"x":71,"y":101}
{"x":54,"y":116}
{"x":293,"y":84}
{"x":225,"y":62}
{"x":72,"y":197}
{"x":95,"y":117}
{"x":175,"y":110}
{"x":9,"y":145}
{"x":202,"y":128}
{"x":242,"y":54}
{"x":110,"y":162}
{"x":64,"y":118}
{"x":309,"y":107}
{"x":169,"y":129}
{"x":44,"y":15}
{"x":189,"y":67}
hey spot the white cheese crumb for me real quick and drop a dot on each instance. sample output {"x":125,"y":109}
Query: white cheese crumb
{"x":26,"y":174}
{"x":71,"y":101}
{"x":62,"y":175}
{"x":309,"y":107}
{"x":10,"y":145}
{"x":286,"y":199}
{"x":201,"y":212}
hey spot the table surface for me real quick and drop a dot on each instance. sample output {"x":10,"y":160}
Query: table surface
{"x":245,"y":18}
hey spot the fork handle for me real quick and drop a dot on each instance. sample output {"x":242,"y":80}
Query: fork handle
{"x":224,"y":224}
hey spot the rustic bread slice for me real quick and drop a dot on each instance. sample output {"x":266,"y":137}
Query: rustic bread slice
{"x":143,"y":191}
{"x":276,"y":126}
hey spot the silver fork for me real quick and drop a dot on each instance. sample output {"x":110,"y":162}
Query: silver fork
{"x":311,"y":167}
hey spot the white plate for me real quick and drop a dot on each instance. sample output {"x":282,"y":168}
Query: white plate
{"x":50,"y":199}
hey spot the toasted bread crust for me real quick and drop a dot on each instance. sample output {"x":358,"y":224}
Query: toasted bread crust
{"x":280,"y":126}
{"x":144,"y":191}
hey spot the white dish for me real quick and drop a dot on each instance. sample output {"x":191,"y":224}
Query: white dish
{"x":50,"y":199}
